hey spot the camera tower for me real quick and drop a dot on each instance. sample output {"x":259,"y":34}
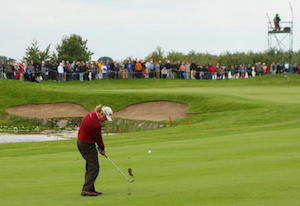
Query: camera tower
{"x":281,"y":40}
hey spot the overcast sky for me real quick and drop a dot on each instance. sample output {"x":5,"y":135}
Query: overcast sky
{"x":123,"y":28}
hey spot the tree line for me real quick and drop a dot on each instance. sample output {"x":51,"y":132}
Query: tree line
{"x":74,"y":48}
{"x":227,"y":58}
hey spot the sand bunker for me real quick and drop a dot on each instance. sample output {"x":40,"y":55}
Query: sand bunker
{"x":154,"y":111}
{"x":45,"y":111}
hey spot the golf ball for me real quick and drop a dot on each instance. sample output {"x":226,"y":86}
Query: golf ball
{"x":149,"y":151}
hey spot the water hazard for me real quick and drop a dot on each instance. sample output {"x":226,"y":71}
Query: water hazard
{"x":9,"y":138}
{"x":45,"y":136}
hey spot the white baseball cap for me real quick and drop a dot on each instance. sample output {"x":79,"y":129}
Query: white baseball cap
{"x":108,"y":112}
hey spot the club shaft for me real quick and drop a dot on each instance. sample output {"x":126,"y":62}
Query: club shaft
{"x":117,"y":168}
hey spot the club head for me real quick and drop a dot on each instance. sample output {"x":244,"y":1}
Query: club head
{"x":131,"y":180}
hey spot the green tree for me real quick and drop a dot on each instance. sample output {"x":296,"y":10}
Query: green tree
{"x":73,"y":48}
{"x":174,"y":56}
{"x":33,"y":53}
{"x":105,"y":59}
{"x":296,"y":57}
{"x":157,"y":55}
{"x":5,"y":60}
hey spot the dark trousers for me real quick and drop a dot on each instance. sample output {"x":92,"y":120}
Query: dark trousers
{"x":90,"y":154}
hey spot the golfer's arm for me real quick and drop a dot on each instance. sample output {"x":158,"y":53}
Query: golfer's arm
{"x":100,"y":143}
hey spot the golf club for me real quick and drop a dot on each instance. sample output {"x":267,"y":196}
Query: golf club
{"x":120,"y":171}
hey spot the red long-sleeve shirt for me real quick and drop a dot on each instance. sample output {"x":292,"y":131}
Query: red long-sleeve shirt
{"x":90,"y":130}
{"x":212,"y":69}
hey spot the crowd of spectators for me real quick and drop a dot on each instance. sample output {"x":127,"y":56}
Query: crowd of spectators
{"x":132,"y":69}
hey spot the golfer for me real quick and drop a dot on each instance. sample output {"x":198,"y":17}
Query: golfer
{"x":89,"y":141}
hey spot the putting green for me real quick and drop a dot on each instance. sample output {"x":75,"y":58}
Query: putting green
{"x":241,"y":147}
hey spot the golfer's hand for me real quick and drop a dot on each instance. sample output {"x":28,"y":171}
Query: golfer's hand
{"x":102,"y":152}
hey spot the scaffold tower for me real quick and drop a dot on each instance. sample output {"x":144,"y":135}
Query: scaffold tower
{"x":281,"y":39}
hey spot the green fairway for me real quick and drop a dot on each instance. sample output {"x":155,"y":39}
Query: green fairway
{"x":240,"y":147}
